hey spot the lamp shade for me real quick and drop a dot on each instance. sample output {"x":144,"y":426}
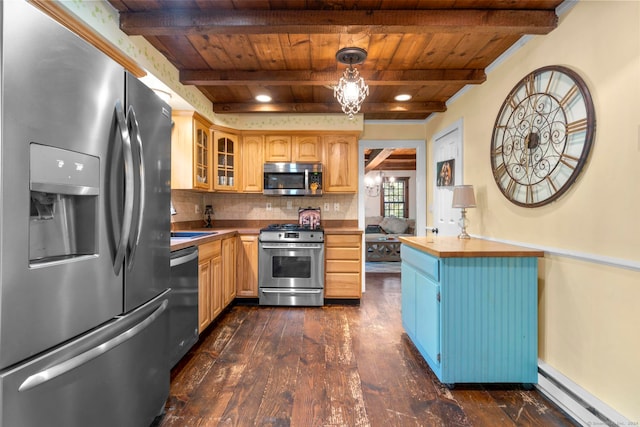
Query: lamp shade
{"x":463,"y":197}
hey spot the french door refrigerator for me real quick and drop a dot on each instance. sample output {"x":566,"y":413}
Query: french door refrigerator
{"x":84,"y":227}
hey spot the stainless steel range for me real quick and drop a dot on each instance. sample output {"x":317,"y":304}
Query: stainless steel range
{"x":291,"y":265}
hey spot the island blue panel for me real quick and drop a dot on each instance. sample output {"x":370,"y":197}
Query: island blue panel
{"x":483,"y":326}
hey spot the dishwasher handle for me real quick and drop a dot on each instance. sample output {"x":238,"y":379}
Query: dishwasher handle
{"x":183,"y":256}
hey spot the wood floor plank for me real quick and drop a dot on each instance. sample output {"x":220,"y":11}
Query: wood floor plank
{"x":310,"y":394}
{"x":281,"y":383}
{"x":337,"y":365}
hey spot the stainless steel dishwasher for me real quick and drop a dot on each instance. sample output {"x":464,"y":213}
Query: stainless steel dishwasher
{"x":183,"y":303}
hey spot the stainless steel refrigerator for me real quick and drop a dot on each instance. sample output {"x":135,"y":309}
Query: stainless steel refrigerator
{"x":84,"y":227}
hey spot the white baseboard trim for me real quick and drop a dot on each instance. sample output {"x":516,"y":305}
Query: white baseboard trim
{"x":578,"y":403}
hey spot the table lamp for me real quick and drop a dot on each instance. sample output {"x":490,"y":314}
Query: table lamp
{"x":463,"y":198}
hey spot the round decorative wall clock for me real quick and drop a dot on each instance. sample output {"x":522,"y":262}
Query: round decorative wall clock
{"x":542,"y":136}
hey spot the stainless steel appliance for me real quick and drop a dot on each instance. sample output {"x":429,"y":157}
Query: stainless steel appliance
{"x":183,"y":303}
{"x":291,"y":265}
{"x":292,"y":179}
{"x":84,"y":226}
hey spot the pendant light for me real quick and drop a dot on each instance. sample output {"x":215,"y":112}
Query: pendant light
{"x":351,"y":89}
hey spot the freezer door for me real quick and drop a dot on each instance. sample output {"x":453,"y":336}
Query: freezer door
{"x":147,"y":260}
{"x":117,"y":375}
{"x":58,"y":97}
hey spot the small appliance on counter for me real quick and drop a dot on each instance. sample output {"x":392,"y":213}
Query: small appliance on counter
{"x":309,"y":218}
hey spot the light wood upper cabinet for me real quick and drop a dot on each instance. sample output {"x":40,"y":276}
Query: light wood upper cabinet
{"x":252,"y":163}
{"x":225,"y":158}
{"x":340,"y":164}
{"x":293,"y":148}
{"x":247,"y":266}
{"x":307,"y":149}
{"x":277,"y":148}
{"x":190,"y":152}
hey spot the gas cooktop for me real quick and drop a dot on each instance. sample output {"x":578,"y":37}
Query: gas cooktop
{"x":289,"y":227}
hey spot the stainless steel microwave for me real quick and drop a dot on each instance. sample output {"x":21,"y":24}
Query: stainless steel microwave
{"x":292,"y":179}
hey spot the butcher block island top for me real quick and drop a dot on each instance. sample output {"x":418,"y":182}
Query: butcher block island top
{"x":452,"y":247}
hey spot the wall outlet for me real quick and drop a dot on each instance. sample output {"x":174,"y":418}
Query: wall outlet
{"x":268,"y":206}
{"x":336,"y":206}
{"x":327,"y":207}
{"x":289,"y":204}
{"x":197,"y":209}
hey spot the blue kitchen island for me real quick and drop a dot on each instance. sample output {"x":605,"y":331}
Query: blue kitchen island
{"x":471,"y":308}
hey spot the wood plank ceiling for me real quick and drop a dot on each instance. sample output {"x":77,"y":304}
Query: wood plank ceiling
{"x":233,"y":50}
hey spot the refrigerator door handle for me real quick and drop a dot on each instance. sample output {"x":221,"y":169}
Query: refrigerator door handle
{"x":83,"y":358}
{"x":137,"y":144}
{"x":127,"y":219}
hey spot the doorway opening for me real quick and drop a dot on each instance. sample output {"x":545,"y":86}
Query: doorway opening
{"x":371,"y":202}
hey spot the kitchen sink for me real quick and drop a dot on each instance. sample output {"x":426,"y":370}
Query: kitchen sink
{"x":192,"y":234}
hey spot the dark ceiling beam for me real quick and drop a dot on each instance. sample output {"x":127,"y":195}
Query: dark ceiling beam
{"x":184,"y":22}
{"x":377,"y":157}
{"x":312,"y":78}
{"x":334,"y":107}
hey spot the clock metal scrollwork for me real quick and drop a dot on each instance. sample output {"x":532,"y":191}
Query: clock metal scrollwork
{"x":542,"y":136}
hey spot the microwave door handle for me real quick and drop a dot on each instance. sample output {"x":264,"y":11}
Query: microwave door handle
{"x":137,"y":143}
{"x":127,"y":219}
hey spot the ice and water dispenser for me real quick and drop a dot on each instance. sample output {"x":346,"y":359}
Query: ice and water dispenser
{"x":64,"y":187}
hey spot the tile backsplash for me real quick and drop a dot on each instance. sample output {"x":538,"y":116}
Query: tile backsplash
{"x":259,"y":207}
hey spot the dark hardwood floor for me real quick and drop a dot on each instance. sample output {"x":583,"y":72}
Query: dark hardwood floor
{"x":338,"y":365}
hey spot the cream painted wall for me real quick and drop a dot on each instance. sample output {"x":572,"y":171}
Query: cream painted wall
{"x":381,"y":130}
{"x":589,"y":320}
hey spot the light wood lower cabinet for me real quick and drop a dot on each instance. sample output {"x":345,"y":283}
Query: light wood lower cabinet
{"x":343,"y":266}
{"x":216,"y":279}
{"x":209,"y":279}
{"x":247,"y":266}
{"x":228,"y":270}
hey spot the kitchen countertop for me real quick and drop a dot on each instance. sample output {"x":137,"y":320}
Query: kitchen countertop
{"x":452,"y":247}
{"x":181,"y":243}
{"x":343,"y":230}
{"x":223,"y":233}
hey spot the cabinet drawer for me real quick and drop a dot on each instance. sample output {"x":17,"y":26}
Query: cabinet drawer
{"x":348,"y":240}
{"x":342,"y":285}
{"x":342,"y":266}
{"x":426,"y":264}
{"x":342,"y":253}
{"x":210,"y":250}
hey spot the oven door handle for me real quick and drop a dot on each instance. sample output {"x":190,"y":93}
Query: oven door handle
{"x":291,"y":291}
{"x":286,"y":246}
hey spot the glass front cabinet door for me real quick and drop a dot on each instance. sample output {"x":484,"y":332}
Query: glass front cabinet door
{"x":225,"y":161}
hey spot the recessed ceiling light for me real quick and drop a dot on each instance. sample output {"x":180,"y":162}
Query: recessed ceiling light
{"x":263,"y":98}
{"x":403,"y":97}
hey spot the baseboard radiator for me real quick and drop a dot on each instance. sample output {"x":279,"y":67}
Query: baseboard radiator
{"x":578,"y":403}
